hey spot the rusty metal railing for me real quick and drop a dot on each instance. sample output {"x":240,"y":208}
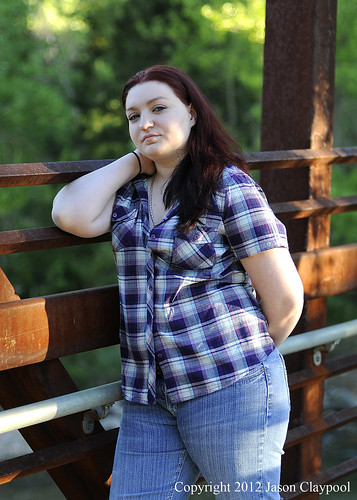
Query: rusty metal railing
{"x":36,"y":332}
{"x":107,"y":394}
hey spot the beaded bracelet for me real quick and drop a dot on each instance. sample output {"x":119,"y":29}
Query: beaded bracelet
{"x":139,"y":161}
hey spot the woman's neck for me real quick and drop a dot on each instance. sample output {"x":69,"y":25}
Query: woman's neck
{"x":163,"y":174}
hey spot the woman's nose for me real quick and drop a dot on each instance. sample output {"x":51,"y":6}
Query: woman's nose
{"x":145,"y":122}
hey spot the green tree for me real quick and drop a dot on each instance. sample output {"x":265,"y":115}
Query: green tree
{"x":346,"y":75}
{"x":125,"y":37}
{"x":36,"y":116}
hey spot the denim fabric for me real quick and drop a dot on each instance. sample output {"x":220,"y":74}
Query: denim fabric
{"x":234,"y":437}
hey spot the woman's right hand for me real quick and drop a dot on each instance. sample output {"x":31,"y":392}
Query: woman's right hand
{"x":147,"y":166}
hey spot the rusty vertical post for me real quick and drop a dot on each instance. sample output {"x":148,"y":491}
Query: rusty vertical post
{"x":297,"y":113}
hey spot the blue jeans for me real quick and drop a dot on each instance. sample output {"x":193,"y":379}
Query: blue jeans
{"x":233,"y":437}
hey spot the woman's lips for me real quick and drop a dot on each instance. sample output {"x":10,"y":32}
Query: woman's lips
{"x":149,"y":136}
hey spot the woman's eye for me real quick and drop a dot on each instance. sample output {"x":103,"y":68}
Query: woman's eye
{"x":133,"y":117}
{"x":159,"y":108}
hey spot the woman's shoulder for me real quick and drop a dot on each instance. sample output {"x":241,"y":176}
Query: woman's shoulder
{"x":235,"y":187}
{"x":236,"y":180}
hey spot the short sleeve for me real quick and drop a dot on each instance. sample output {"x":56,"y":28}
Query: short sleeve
{"x":250,"y":224}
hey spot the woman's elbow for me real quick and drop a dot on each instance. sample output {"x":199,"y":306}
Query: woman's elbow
{"x":61,"y":219}
{"x":299,"y":296}
{"x":293,"y":302}
{"x":78,"y":226}
{"x":284,"y":316}
{"x":67,"y":223}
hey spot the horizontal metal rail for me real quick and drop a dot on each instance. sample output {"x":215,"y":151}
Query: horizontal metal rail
{"x":319,"y":337}
{"x":41,"y":238}
{"x":62,"y":406}
{"x":31,"y":174}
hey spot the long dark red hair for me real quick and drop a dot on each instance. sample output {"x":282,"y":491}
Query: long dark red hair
{"x":210,"y":146}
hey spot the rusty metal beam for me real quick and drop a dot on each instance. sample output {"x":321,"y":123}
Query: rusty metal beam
{"x":81,"y":480}
{"x":25,"y":240}
{"x":297,"y":113}
{"x":299,"y":158}
{"x":302,"y":489}
{"x":44,"y":238}
{"x":298,"y":87}
{"x":34,"y":330}
{"x":311,"y":208}
{"x":299,"y":379}
{"x":58,"y":455}
{"x":298,"y":91}
{"x":32,"y":174}
{"x":320,"y":426}
{"x":44,"y":328}
{"x":328,"y":271}
{"x":7,"y":291}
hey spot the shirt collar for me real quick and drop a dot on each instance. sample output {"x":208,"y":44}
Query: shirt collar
{"x":141,"y":186}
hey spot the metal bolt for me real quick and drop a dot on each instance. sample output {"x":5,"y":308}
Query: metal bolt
{"x":87,"y":423}
{"x":317,"y":356}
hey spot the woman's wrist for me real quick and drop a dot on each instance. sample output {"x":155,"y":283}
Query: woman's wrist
{"x":143,"y":164}
{"x":139,"y":161}
{"x":128,"y":166}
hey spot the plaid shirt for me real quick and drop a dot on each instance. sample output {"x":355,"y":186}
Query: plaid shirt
{"x":186,"y":302}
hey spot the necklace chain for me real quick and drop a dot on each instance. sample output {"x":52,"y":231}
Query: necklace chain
{"x":150,"y":201}
{"x":151,"y":213}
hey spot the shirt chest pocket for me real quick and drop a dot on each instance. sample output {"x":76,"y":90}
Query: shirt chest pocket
{"x":125,"y":230}
{"x":195,"y":249}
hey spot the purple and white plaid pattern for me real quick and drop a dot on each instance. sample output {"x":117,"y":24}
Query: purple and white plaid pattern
{"x":185,"y":299}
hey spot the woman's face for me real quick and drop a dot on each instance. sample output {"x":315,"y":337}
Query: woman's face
{"x":159,"y":122}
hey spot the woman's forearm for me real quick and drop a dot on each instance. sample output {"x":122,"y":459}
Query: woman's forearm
{"x":282,"y":318}
{"x":280,"y":289}
{"x":84,"y":206}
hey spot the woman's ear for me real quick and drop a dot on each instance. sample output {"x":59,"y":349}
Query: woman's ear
{"x":193,"y":114}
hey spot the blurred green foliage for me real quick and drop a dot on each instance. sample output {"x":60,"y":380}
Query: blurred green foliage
{"x":62,"y":65}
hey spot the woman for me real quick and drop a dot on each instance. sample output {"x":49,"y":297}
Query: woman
{"x":205,"y":387}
